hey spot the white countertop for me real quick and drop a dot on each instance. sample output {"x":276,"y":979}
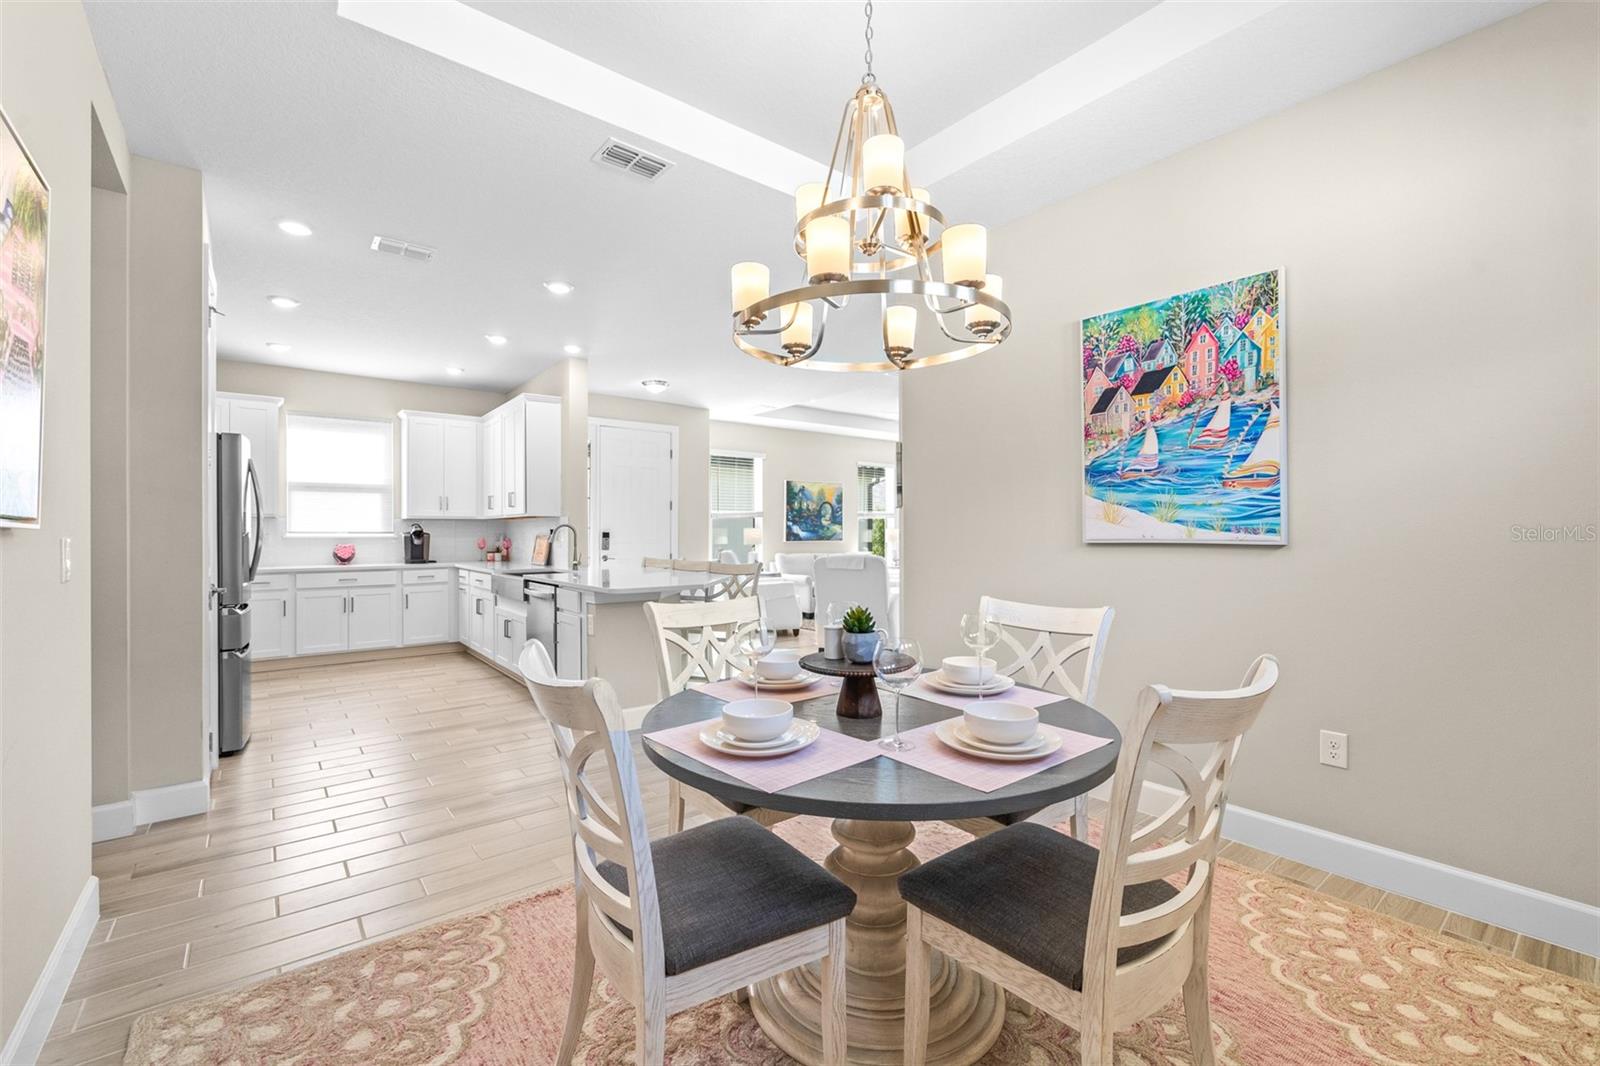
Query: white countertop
{"x":315,"y":568}
{"x":623,"y":579}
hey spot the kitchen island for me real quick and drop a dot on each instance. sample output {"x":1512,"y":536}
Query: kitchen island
{"x":595,"y":615}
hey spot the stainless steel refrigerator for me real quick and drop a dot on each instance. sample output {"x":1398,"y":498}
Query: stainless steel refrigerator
{"x":238,"y":554}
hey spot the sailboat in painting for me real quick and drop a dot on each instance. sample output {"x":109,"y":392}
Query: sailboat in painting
{"x":1149,"y":458}
{"x":1215,"y":435}
{"x":1263,"y":467}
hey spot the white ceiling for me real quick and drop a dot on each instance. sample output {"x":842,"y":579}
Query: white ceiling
{"x":294,"y":112}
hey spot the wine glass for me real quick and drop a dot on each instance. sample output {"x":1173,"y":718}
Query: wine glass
{"x":759,"y":640}
{"x":897,"y":664}
{"x":979,"y":634}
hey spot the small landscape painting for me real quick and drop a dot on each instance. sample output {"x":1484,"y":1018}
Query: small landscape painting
{"x":1183,"y":424}
{"x":24,"y":240}
{"x":813,"y":510}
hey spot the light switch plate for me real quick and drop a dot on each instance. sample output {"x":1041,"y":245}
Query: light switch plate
{"x":66,"y":559}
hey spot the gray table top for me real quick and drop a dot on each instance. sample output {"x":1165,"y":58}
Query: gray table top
{"x":882,"y":789}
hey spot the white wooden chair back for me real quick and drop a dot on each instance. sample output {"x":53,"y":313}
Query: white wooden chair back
{"x":739,"y":580}
{"x":586,"y":722}
{"x":1215,"y":723}
{"x":1045,"y":645}
{"x":702,"y":641}
{"x":652,"y":563}
{"x":697,"y":566}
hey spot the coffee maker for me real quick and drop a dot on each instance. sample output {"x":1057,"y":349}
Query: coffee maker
{"x":417,"y":544}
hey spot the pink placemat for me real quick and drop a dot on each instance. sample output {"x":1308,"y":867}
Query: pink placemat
{"x":831,"y":751}
{"x":986,"y":775}
{"x":1031,"y":697}
{"x":738,"y":690}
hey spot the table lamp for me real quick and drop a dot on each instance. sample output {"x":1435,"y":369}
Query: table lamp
{"x":752,"y":538}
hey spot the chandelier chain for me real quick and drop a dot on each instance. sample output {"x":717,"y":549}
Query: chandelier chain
{"x":869,"y":78}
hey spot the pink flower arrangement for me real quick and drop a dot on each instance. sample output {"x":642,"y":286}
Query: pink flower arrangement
{"x":505,"y":545}
{"x":482,"y":544}
{"x":343,"y":553}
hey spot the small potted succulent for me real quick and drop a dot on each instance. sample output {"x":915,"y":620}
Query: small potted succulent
{"x":860,"y":635}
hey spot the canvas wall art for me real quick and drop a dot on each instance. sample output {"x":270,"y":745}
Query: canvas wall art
{"x":1183,"y":418}
{"x":24,"y":242}
{"x":813,"y":510}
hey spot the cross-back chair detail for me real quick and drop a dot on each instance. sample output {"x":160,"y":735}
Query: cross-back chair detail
{"x":1058,"y":647}
{"x":1182,"y":839}
{"x":739,"y":581}
{"x":620,"y":929}
{"x":701,"y":642}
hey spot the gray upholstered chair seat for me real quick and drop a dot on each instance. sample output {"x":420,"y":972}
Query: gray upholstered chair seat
{"x":730,"y":885}
{"x":1026,"y":891}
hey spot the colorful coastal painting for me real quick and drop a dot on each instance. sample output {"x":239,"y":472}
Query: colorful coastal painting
{"x":24,"y":241}
{"x":1183,"y":418}
{"x":813,"y":510}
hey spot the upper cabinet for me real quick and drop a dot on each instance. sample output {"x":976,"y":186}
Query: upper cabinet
{"x":439,"y":461}
{"x":256,"y":417}
{"x":505,"y":464}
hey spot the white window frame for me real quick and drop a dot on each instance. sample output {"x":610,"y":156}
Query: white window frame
{"x":891,"y":519}
{"x":757,"y":490}
{"x":327,"y":486}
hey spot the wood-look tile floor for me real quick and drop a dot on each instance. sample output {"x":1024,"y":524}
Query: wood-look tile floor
{"x":380,"y":796}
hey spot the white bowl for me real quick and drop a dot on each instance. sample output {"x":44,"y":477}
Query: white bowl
{"x":999,"y":722}
{"x":757,"y":720}
{"x":779,"y":665}
{"x":968,"y":669}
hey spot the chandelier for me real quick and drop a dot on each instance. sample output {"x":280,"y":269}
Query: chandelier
{"x":865,"y":231}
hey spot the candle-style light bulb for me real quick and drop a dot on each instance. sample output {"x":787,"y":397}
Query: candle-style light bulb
{"x":883,"y":164}
{"x":966,"y":254}
{"x":750,"y":285}
{"x":981,"y":320}
{"x":796,"y":339}
{"x":807,"y":198}
{"x":899,"y":332}
{"x":828,"y":249}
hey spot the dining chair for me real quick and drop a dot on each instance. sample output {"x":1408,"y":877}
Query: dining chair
{"x":1056,"y":648}
{"x":739,"y":580}
{"x":703,"y":642}
{"x":1098,"y":938}
{"x":690,"y":917}
{"x":652,"y":563}
{"x":848,"y":578}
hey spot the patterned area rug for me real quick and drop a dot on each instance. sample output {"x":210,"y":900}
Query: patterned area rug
{"x":1296,"y":977}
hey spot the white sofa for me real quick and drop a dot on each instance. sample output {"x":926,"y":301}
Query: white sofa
{"x":799,"y":569}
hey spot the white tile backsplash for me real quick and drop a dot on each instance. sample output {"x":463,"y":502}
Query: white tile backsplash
{"x":453,"y":541}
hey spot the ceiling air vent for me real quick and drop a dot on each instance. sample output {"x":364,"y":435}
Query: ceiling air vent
{"x":633,"y":160}
{"x":404,"y":249}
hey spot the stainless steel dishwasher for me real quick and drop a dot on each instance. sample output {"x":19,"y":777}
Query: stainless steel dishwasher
{"x":541,"y":601}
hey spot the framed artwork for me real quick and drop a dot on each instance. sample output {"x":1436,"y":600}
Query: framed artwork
{"x":813,"y":510}
{"x":24,"y":248}
{"x":1183,"y":418}
{"x":541,"y":550}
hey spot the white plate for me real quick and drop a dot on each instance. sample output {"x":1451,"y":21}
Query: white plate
{"x":727,"y":739}
{"x":970,"y":739}
{"x":803,"y":733}
{"x":800,"y":681}
{"x":947,"y":733}
{"x":956,"y":688}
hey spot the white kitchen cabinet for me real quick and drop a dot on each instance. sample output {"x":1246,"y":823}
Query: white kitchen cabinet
{"x":542,"y":455}
{"x":321,"y":620}
{"x":256,"y":417}
{"x":463,"y":609}
{"x":425,"y":613}
{"x":374,"y":617}
{"x":271,"y":621}
{"x":513,"y":459}
{"x":510,"y":634}
{"x":569,"y":645}
{"x":439,"y":465}
{"x":493,"y":456}
{"x":480,"y":622}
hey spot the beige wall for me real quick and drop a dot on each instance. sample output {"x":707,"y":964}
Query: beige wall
{"x":50,"y":79}
{"x":110,"y":633}
{"x":167,"y":420}
{"x":1437,"y":227}
{"x":797,"y":455}
{"x":694,"y":460}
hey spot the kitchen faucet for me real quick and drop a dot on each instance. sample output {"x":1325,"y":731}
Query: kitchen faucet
{"x":573,"y":530}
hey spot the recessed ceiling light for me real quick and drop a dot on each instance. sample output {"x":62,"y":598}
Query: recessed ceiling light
{"x":277,"y":346}
{"x":295,"y":229}
{"x":454,"y":371}
{"x":655,"y":385}
{"x":572,"y":349}
{"x":494,"y":338}
{"x":558,"y":288}
{"x":283,"y":303}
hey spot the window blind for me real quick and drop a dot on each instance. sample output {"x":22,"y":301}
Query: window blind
{"x":733,"y":485}
{"x":339,"y":475}
{"x":874,"y":489}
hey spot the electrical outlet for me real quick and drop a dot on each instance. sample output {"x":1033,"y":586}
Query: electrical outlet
{"x":66,"y":559}
{"x":1333,"y":749}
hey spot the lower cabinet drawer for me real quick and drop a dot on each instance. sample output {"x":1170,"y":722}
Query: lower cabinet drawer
{"x":332,"y":579}
{"x":425,"y":577}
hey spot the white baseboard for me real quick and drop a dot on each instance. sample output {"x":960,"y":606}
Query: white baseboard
{"x":171,"y":801}
{"x":633,"y":717}
{"x":113,"y":820}
{"x":27,"y":1037}
{"x":1529,"y":911}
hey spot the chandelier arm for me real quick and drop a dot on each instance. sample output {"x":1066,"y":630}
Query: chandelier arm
{"x":844,"y":123}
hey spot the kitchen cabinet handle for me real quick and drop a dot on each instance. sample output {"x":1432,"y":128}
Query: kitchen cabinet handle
{"x":408,"y":601}
{"x":477,"y":606}
{"x":344,"y":605}
{"x":511,"y":499}
{"x":342,"y":580}
{"x":491,"y":501}
{"x":447,"y":503}
{"x":285,"y":605}
{"x":352,"y":605}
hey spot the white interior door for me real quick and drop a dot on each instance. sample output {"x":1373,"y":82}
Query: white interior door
{"x":633,"y":484}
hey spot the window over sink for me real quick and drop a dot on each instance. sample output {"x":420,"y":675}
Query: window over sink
{"x":340,"y":476}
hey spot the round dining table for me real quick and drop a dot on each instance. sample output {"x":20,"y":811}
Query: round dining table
{"x":874,"y":806}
